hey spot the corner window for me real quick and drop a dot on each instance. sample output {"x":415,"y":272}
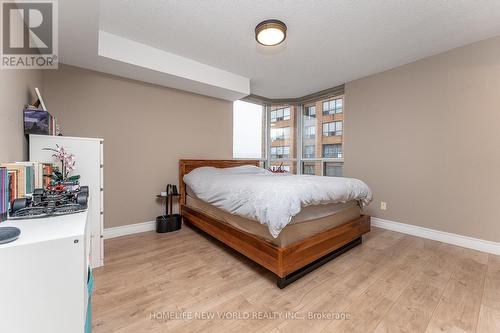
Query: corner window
{"x":320,"y":143}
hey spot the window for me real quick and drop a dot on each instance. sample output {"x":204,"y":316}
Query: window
{"x":280,"y":114}
{"x":332,"y":106}
{"x":280,"y":133}
{"x":309,"y":129}
{"x":332,"y":129}
{"x":322,"y":137}
{"x":280,"y":152}
{"x":247,"y":130}
{"x":309,"y":151}
{"x":332,"y":169}
{"x":332,"y":151}
{"x":309,"y":168}
{"x":320,"y":126}
{"x":282,"y":122}
{"x":310,"y":132}
{"x":310,"y":111}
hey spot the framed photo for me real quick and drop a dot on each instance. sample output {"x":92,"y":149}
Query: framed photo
{"x":36,"y":121}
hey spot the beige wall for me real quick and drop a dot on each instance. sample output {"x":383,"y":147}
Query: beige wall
{"x":16,"y":89}
{"x":426,"y":138}
{"x":146,"y":130}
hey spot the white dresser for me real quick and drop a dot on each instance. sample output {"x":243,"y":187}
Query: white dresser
{"x":90,"y":166}
{"x":44,"y":275}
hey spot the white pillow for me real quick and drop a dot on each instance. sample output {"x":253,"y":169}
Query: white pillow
{"x":240,"y":170}
{"x":244,"y":169}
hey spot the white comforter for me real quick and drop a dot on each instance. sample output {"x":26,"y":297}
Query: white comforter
{"x":272,"y":199}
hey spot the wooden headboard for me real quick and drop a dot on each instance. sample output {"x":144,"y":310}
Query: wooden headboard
{"x":186,"y":166}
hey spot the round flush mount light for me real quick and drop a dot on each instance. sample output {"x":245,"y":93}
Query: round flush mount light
{"x":270,"y":32}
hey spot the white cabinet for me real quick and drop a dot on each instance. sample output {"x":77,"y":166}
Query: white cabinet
{"x":44,"y":274}
{"x":89,"y":165}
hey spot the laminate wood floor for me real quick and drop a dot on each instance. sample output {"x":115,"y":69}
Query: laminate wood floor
{"x":188,"y":282}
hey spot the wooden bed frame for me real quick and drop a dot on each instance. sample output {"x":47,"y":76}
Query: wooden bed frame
{"x":288,"y":263}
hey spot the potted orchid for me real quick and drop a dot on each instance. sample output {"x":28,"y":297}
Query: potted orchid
{"x":67,"y":161}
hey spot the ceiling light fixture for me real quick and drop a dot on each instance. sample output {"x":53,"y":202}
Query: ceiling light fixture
{"x":270,"y":32}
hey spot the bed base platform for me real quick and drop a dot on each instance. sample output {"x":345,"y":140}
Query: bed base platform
{"x":294,"y":276}
{"x":289,"y":263}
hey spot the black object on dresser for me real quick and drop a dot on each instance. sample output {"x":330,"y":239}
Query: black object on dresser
{"x":50,"y":202}
{"x":170,"y":221}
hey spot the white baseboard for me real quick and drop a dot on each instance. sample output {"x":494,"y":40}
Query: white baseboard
{"x":129,"y":229}
{"x":445,"y":237}
{"x":441,"y":236}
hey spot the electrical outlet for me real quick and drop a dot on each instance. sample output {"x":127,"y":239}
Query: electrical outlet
{"x":383,"y":205}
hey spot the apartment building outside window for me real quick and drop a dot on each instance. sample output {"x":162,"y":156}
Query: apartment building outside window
{"x":333,"y":169}
{"x":301,"y":140}
{"x":310,"y":111}
{"x":282,"y":126}
{"x":310,"y":132}
{"x":309,"y":151}
{"x":280,"y":133}
{"x":280,"y":152}
{"x":280,"y":114}
{"x":333,"y":106}
{"x":309,"y":168}
{"x":332,"y":150}
{"x":325,"y":147}
{"x":333,"y":128}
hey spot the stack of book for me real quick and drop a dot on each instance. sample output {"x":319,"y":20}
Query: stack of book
{"x":20,"y":179}
{"x":45,"y":172}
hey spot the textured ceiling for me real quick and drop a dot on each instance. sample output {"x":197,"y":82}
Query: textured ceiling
{"x":329,"y":41}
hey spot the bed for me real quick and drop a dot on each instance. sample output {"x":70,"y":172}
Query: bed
{"x":301,"y":246}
